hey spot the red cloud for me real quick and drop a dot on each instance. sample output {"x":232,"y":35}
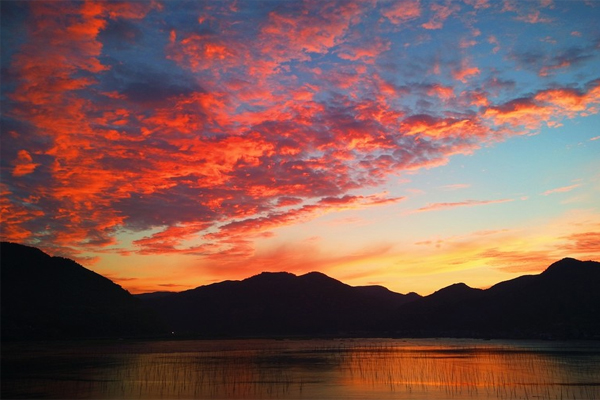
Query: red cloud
{"x":271,"y":125}
{"x":204,"y":52}
{"x":168,"y":240}
{"x":52,"y":68}
{"x":24,"y":164}
{"x":402,"y":11}
{"x":294,"y":34}
{"x":364,"y":51}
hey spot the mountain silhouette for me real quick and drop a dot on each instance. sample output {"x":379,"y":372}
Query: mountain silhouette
{"x":278,"y":303}
{"x":561,"y":302}
{"x":47,"y":297}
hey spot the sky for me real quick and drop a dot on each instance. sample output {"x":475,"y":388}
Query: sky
{"x":412,"y":144}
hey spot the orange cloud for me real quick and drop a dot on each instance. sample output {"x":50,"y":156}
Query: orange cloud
{"x":546,"y":107}
{"x":464,"y":73}
{"x":583,"y":243}
{"x":441,"y":91}
{"x":518,"y":261}
{"x":439,"y":128}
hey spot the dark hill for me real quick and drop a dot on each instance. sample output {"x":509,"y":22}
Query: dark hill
{"x":384,"y":294}
{"x":561,"y":302}
{"x":53,"y":297}
{"x":278,"y":304}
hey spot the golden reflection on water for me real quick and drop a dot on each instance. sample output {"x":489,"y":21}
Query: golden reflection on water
{"x":288,"y":369}
{"x":466,"y":372}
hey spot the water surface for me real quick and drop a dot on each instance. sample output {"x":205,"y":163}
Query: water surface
{"x":303,"y":369}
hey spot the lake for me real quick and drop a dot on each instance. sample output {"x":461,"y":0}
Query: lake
{"x":302,"y":369}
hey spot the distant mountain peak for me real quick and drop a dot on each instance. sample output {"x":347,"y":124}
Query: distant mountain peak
{"x":315,"y":274}
{"x":454,"y":292}
{"x":266,"y":274}
{"x":455,"y":287}
{"x":271,"y":277}
{"x":566,"y":261}
{"x":46,"y":297}
{"x":568,"y":264}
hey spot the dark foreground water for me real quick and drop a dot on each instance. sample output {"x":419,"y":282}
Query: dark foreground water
{"x":308,"y":369}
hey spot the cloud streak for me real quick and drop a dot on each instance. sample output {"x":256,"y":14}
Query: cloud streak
{"x":466,"y":203}
{"x":562,"y":189}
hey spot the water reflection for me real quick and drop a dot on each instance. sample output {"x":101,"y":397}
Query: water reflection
{"x":366,"y":369}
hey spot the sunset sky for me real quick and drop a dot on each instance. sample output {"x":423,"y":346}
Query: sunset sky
{"x":412,"y":144}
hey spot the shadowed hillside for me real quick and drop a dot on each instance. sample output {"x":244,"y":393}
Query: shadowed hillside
{"x":278,"y":304}
{"x":52,"y":297}
{"x":561,"y":302}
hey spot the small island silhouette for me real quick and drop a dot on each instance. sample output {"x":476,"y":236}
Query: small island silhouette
{"x":46,"y":297}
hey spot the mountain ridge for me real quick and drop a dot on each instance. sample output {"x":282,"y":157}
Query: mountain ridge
{"x":54,"y":297}
{"x":46,"y":297}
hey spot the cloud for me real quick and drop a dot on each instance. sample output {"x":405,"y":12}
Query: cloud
{"x":439,"y":15}
{"x":492,"y":39}
{"x":477,"y":4}
{"x":518,"y":261}
{"x":24,"y":164}
{"x":456,"y":186}
{"x":364,"y":50}
{"x":465,"y":72}
{"x":583,"y":243}
{"x":297,"y":31}
{"x":220,"y":124}
{"x":466,"y":203}
{"x":551,"y":61}
{"x":534,"y":17}
{"x":302,"y":257}
{"x":545,"y":107}
{"x":562,"y":189}
{"x":399,"y":12}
